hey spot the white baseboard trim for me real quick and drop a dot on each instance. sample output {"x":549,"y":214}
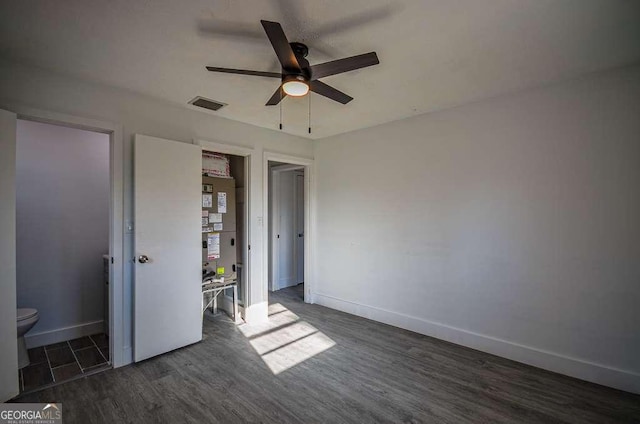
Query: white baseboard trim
{"x":63,"y":334}
{"x":551,"y":361}
{"x":126,"y":359}
{"x":283,"y":283}
{"x":256,"y":313}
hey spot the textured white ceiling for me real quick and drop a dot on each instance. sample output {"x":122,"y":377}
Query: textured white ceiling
{"x":434,"y":54}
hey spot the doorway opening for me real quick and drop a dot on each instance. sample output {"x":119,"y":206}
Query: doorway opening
{"x":286,"y":227}
{"x":172,"y":250}
{"x":224,"y":233}
{"x":63,"y":252}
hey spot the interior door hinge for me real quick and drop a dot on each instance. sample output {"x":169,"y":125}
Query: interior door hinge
{"x":112,"y":259}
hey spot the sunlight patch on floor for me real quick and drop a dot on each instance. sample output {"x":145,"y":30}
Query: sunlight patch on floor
{"x":284,"y":340}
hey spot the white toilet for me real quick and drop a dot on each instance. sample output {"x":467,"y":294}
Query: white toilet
{"x":27,"y":318}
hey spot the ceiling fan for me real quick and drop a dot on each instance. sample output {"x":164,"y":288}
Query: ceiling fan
{"x":298,"y":76}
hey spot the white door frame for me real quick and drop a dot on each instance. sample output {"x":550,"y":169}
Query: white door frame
{"x":247,"y":153}
{"x":309,"y":217}
{"x":9,"y":379}
{"x":116,"y":214}
{"x":274,"y":224}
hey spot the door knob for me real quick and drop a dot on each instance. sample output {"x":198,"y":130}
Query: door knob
{"x":300,"y":234}
{"x":143,"y":259}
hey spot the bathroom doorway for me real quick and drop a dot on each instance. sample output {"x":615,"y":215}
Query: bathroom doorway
{"x":63,"y":251}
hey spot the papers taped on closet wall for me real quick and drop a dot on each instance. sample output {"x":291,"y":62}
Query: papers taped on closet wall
{"x":213,"y":245}
{"x":222,"y":202}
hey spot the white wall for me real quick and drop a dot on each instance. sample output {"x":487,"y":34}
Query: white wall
{"x":62,"y":226}
{"x":32,"y":87}
{"x":510,"y":225}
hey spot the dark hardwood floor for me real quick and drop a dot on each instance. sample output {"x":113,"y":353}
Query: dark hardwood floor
{"x":313,"y":364}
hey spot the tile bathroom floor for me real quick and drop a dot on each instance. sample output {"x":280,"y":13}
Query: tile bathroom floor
{"x":59,"y":362}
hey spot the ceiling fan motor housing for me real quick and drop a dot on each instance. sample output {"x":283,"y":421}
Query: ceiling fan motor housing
{"x":300,"y":51}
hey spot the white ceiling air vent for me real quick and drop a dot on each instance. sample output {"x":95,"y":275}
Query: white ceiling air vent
{"x":207,"y":103}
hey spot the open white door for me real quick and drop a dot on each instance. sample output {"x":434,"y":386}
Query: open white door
{"x":8,"y":324}
{"x":167,"y":289}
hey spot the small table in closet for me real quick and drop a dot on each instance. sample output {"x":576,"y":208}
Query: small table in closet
{"x":217,"y":287}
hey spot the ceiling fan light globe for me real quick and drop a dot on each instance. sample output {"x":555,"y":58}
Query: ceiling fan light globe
{"x":295,"y":87}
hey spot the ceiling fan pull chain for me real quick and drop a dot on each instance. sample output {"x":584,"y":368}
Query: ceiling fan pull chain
{"x":280,"y":102}
{"x":309,"y":113}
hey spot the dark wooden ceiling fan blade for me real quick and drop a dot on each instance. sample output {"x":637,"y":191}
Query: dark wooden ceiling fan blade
{"x":330,"y":92}
{"x":277,"y":97}
{"x":245,"y":72}
{"x":344,"y":65}
{"x":281,"y":45}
